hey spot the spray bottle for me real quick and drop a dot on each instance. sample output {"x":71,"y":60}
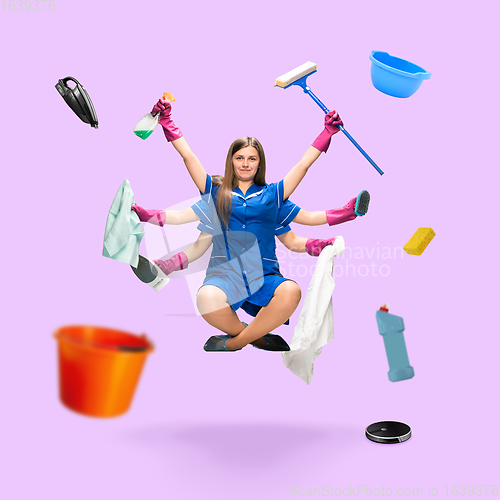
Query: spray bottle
{"x":148,"y":123}
{"x":391,"y":328}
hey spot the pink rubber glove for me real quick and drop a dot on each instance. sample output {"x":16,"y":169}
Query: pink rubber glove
{"x":170,"y":129}
{"x":178,"y":261}
{"x":156,"y":217}
{"x":322,"y":142}
{"x":314,"y":247}
{"x":340,"y":215}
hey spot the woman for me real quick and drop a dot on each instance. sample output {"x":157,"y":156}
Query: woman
{"x":244,"y":270}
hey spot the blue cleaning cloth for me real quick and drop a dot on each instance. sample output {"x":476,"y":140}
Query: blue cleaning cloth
{"x":124,"y":231}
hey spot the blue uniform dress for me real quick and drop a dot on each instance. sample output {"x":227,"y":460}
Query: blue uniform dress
{"x":243,"y":262}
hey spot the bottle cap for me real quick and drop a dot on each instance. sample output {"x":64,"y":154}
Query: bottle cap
{"x":384,"y":307}
{"x":167,"y":96}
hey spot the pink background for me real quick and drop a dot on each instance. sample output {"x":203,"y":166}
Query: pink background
{"x":241,"y":425}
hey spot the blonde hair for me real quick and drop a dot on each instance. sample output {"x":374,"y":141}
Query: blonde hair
{"x":230,"y":181}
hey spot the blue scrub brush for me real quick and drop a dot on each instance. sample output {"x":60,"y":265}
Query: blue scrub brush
{"x":298,"y":76}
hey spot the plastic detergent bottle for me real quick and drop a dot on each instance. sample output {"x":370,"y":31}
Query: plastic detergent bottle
{"x":391,"y":328}
{"x":148,"y":123}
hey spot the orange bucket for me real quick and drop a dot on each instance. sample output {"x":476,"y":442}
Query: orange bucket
{"x":99,"y":368}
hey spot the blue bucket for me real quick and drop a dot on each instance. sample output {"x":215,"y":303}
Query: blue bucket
{"x":394,"y":76}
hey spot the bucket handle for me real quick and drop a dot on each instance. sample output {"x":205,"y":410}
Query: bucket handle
{"x":123,"y":348}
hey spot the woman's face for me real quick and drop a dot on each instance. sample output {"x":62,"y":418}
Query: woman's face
{"x":246,"y":163}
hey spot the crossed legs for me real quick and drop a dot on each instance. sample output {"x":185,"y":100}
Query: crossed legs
{"x":213,"y":306}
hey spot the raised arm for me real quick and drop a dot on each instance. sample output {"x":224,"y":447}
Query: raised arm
{"x":321,"y":144}
{"x":293,"y":178}
{"x":174,"y":135}
{"x":195,"y":168}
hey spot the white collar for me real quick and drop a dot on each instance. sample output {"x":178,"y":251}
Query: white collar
{"x":249,"y":196}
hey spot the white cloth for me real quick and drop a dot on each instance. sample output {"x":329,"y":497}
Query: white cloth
{"x":315,"y":326}
{"x":124,"y":231}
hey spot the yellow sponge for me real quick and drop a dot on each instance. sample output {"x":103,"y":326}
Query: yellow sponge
{"x":419,"y":241}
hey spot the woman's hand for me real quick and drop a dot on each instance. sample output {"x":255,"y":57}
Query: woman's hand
{"x":332,"y":119}
{"x":163,"y":107}
{"x":170,"y":129}
{"x":314,"y":247}
{"x":178,"y":261}
{"x":322,"y":142}
{"x":172,"y":133}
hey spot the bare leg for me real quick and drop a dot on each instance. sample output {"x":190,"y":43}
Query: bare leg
{"x":213,"y":306}
{"x":285,"y":300}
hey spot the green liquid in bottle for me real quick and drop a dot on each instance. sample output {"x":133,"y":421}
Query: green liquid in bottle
{"x":143,"y":134}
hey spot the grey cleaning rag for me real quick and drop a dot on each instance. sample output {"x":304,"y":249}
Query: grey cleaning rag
{"x":124,"y":231}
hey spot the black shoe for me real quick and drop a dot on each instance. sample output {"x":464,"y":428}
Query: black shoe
{"x":217,"y":343}
{"x":273,"y":342}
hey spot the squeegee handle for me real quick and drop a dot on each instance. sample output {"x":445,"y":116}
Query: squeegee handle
{"x":360,"y":149}
{"x":307,"y":90}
